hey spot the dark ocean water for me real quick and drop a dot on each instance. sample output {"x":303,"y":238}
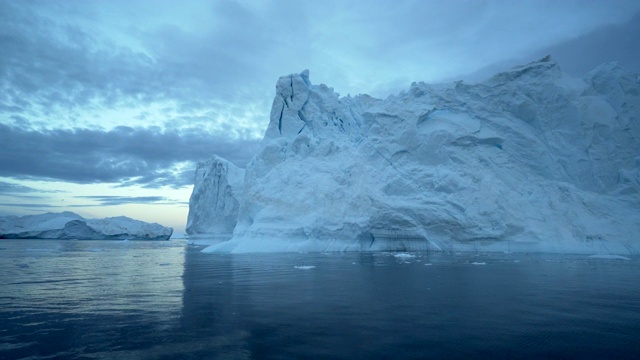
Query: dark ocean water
{"x":166,"y":300}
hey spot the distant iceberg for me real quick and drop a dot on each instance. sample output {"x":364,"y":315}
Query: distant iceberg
{"x":529,"y":160}
{"x":68,"y":225}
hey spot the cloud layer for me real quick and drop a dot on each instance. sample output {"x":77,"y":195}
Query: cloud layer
{"x":144,"y":156}
{"x":110,"y":200}
{"x":85,"y":55}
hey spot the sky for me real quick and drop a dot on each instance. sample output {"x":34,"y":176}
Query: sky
{"x":106,"y":107}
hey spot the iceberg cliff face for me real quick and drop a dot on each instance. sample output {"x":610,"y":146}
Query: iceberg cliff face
{"x":68,"y":225}
{"x":529,"y":160}
{"x":215,"y":200}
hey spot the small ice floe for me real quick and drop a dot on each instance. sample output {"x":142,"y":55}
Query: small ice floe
{"x":609,"y":257}
{"x":478,"y":263}
{"x":428,"y":264}
{"x":304,"y":267}
{"x":404,"y":256}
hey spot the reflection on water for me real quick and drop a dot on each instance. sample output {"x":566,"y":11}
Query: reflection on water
{"x":166,"y":300}
{"x":54,"y":294}
{"x":93,"y":276}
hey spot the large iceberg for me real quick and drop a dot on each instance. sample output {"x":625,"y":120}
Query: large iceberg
{"x":528,"y":160}
{"x":68,"y":225}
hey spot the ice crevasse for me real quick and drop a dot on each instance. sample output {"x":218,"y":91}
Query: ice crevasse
{"x":531,"y":159}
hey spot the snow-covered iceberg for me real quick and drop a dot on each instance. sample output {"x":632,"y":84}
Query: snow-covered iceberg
{"x":68,"y":225}
{"x":528,"y":160}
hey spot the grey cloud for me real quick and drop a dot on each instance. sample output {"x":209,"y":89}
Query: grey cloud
{"x":145,"y":156}
{"x":18,"y":191}
{"x":60,"y":66}
{"x":236,"y":50}
{"x":168,"y":178}
{"x":50,"y":63}
{"x":107,"y":200}
{"x":582,"y":54}
{"x":434,"y":41}
{"x":35,"y":206}
{"x":10,"y":188}
{"x":618,"y":43}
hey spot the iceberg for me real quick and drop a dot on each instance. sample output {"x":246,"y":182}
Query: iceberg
{"x":215,"y":200}
{"x":531,"y":159}
{"x":69,"y":225}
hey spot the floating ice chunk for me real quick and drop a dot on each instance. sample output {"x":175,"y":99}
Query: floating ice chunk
{"x":404,"y":256}
{"x":304,"y":267}
{"x":609,"y":257}
{"x":478,"y":263}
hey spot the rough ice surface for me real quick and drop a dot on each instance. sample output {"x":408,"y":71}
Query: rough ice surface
{"x":68,"y":225}
{"x":528,"y":160}
{"x":215,"y":200}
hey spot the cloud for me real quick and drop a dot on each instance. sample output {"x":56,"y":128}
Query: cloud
{"x":61,"y":65}
{"x":110,"y":200}
{"x":577,"y":56}
{"x":121,"y":52}
{"x":64,"y":71}
{"x":35,"y":206}
{"x":365,"y":46}
{"x":145,"y":156}
{"x":17,"y":191}
{"x":617,"y":42}
{"x":11,"y":188}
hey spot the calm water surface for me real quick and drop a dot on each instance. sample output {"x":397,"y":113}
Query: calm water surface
{"x":166,"y":300}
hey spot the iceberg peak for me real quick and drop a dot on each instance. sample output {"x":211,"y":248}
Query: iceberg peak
{"x":305,"y":76}
{"x":314,"y":112}
{"x":545,"y":68}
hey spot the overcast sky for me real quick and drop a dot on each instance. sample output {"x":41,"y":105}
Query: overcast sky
{"x":106,"y":106}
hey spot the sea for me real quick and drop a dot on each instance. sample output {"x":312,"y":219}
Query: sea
{"x":167,"y":300}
